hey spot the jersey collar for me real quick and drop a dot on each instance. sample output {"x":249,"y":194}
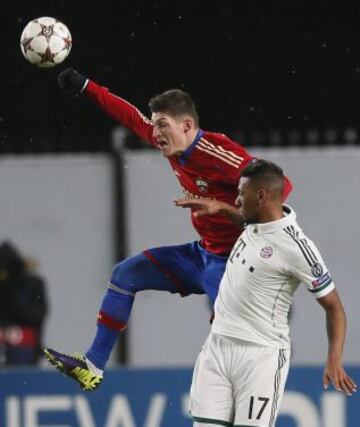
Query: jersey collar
{"x":270,"y":227}
{"x":184,"y":156}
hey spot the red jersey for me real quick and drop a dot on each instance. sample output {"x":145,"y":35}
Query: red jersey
{"x":209,"y":168}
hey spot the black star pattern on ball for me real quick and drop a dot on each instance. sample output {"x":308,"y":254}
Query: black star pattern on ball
{"x":47,"y":31}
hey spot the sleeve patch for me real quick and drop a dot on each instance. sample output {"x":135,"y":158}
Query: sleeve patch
{"x":321,"y":283}
{"x":317,"y":270}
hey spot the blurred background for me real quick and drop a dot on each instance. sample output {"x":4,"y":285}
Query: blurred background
{"x":78,"y":192}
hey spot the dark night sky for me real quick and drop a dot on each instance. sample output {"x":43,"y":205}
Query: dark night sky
{"x":248,"y":65}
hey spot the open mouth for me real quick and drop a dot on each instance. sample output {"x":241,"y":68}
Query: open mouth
{"x":162,"y":144}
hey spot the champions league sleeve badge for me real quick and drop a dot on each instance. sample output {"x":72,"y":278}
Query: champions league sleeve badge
{"x":317,"y":270}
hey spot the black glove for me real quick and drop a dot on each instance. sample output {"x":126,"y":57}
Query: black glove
{"x":72,"y":82}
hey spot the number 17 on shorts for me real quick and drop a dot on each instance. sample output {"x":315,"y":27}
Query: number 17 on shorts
{"x":238,"y":383}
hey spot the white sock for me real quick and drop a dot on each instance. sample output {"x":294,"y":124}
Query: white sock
{"x":93,"y":368}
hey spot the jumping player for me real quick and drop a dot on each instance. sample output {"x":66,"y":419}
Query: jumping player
{"x":207,"y":165}
{"x":240,"y":374}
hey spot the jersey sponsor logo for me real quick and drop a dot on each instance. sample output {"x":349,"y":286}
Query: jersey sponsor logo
{"x":266,"y":252}
{"x":189,"y":195}
{"x":321,"y":280}
{"x":317,"y":269}
{"x":202,"y":185}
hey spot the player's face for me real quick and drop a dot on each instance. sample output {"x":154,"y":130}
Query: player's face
{"x":248,"y":201}
{"x":170,"y":133}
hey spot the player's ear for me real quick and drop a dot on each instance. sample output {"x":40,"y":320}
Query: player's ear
{"x":188,"y":124}
{"x":262,"y":196}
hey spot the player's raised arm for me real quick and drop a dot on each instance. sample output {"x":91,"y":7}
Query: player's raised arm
{"x":117,"y":108}
{"x":336,"y":328}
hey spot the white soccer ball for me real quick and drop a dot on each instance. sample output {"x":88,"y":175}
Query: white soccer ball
{"x":45,"y":42}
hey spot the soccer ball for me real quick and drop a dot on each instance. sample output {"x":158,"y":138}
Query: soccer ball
{"x":45,"y":42}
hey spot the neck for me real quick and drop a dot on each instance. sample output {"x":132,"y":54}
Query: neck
{"x":190,"y":137}
{"x":271,"y":213}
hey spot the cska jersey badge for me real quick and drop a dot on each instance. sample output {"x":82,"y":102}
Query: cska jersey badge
{"x":202,"y":185}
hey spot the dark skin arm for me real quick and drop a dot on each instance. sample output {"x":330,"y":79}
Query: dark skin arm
{"x":336,"y":329}
{"x":203,"y":207}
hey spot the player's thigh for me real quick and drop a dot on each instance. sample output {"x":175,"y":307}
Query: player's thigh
{"x":139,"y":273}
{"x":212,"y":275}
{"x":211,"y":395}
{"x":181,"y":264}
{"x":259,"y":382}
{"x":176,"y":269}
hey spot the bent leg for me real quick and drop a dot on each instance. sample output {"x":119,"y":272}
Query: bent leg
{"x":129,"y":277}
{"x":165,"y":269}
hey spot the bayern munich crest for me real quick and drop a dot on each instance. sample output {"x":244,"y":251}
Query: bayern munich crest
{"x":202,"y":185}
{"x":266,"y":252}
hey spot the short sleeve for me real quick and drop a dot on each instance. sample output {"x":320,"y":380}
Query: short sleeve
{"x":307,"y":265}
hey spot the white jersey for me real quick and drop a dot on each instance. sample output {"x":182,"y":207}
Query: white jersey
{"x":264,"y":269}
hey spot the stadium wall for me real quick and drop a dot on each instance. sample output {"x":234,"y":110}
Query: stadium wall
{"x":59,"y":209}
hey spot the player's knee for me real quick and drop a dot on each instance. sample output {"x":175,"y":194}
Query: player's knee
{"x":120,"y":276}
{"x":129,"y":274}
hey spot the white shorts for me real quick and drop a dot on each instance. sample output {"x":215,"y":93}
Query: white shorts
{"x":238,"y":383}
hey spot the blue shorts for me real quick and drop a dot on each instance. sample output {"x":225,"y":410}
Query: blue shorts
{"x":185,"y":269}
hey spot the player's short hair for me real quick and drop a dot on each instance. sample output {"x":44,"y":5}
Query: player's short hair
{"x":174,"y":102}
{"x":265,"y":173}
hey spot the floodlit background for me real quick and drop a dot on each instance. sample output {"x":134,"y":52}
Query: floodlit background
{"x":78,"y":193}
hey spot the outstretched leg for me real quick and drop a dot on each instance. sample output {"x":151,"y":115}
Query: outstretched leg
{"x":130,"y":276}
{"x":176,"y":269}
